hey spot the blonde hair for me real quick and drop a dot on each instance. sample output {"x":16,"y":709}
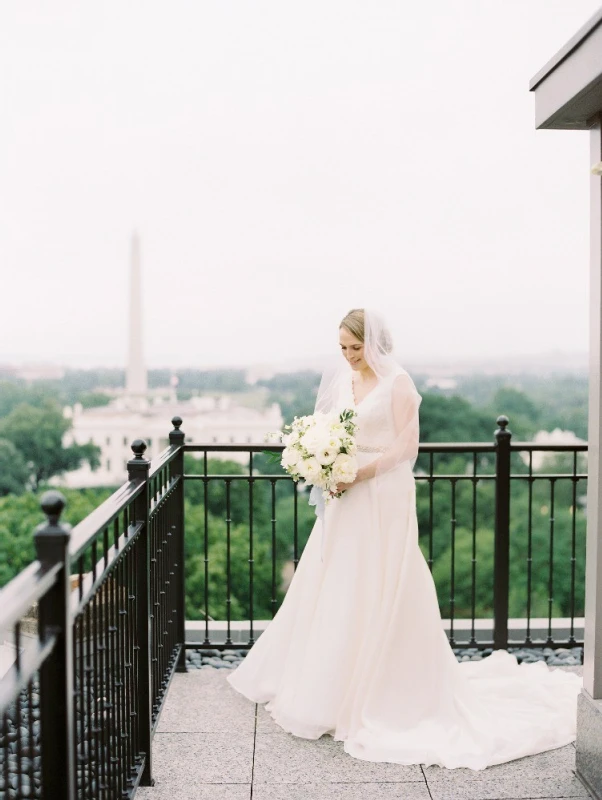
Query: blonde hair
{"x":354,"y":321}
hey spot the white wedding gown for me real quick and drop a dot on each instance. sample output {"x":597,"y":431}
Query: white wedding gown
{"x":357,"y":648}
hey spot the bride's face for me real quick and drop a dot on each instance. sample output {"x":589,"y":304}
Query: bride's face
{"x":352,"y":349}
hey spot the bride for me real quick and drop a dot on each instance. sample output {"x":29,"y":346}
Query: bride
{"x":357,"y":649}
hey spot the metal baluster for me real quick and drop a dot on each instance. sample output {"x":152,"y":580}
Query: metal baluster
{"x":79,"y":700}
{"x":18,"y":720}
{"x":551,"y":563}
{"x":251,"y":561}
{"x":98,"y":650}
{"x":295,"y":526}
{"x":206,"y":546}
{"x":123,"y":719}
{"x":116,"y":695}
{"x":132,"y":675}
{"x":163,"y":598}
{"x":90,"y":665}
{"x":572,"y":641}
{"x":159,"y":610}
{"x":30,"y":735}
{"x":431,"y":481}
{"x":152,"y":526}
{"x":135,"y":643}
{"x":502,"y":534}
{"x":452,"y":599}
{"x":473,"y":573}
{"x":228,"y":564}
{"x":530,"y":480}
{"x":5,"y":772}
{"x":273,"y":521}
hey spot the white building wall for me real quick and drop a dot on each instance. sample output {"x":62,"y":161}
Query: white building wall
{"x":113,"y":428}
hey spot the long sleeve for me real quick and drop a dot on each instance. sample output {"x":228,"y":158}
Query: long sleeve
{"x":405,"y":402}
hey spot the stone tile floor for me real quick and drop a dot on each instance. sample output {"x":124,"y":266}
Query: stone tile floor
{"x":214,"y":743}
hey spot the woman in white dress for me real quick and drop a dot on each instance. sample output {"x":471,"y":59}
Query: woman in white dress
{"x":357,"y":649}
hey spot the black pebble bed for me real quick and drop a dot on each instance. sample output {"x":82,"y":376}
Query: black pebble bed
{"x":554,"y":657}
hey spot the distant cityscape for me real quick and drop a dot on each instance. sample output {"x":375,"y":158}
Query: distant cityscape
{"x":221,"y":415}
{"x":536,"y":363}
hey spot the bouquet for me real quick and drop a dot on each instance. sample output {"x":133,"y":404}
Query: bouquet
{"x":321,"y":450}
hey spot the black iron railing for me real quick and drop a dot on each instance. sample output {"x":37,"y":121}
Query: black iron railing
{"x":79,"y":705}
{"x":480,"y":475}
{"x":97,"y":623}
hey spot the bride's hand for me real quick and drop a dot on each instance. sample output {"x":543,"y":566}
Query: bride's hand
{"x":343,"y":487}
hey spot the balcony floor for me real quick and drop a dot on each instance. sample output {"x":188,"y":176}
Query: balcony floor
{"x":214,"y":743}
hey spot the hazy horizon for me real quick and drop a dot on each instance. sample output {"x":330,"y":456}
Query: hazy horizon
{"x":579,"y":357}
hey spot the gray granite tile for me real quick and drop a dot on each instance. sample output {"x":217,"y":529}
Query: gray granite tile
{"x":200,"y":791}
{"x":284,"y":758}
{"x":558,"y":763}
{"x":265,"y":723}
{"x":507,"y":789}
{"x":194,"y":759}
{"x":341,"y":791}
{"x":203,"y":702}
{"x":589,"y":740}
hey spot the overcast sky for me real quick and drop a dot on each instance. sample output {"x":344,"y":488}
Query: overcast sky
{"x":284,"y":162}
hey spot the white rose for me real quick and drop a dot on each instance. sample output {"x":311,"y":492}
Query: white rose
{"x":344,"y":468}
{"x":327,"y":455}
{"x":290,"y":457}
{"x":314,"y":439}
{"x":310,"y":469}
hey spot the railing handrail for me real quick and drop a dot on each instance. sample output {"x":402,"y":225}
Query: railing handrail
{"x":104,"y":514}
{"x":25,"y":589}
{"x":423,"y":447}
{"x":566,"y":447}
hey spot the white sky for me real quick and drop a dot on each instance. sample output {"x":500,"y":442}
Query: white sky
{"x":283,"y":162}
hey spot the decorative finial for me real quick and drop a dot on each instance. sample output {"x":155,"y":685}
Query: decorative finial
{"x":176,"y":437}
{"x":52,"y":504}
{"x":502,"y":421}
{"x":138,"y":448}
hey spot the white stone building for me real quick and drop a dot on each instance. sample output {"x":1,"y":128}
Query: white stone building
{"x":140,"y":414}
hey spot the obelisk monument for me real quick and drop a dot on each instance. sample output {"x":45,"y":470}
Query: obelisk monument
{"x":136,"y":381}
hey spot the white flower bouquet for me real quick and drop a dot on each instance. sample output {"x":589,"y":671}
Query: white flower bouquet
{"x":321,"y":450}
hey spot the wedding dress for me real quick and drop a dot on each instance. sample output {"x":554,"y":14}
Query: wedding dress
{"x":357,"y":649}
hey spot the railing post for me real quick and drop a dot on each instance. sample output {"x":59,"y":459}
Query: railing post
{"x":138,"y":470}
{"x":501,"y":557}
{"x":177,"y":437}
{"x":56,"y":673}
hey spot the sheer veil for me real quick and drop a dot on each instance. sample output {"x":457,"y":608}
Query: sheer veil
{"x":335,"y":394}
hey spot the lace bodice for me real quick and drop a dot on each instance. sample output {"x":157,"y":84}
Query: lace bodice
{"x":376,"y":427}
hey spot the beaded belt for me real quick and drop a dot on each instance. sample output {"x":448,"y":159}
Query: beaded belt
{"x":364,"y":448}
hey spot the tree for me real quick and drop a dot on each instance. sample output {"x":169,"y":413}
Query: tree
{"x":295,"y":393}
{"x":453,"y":419}
{"x":524,"y":414}
{"x":94,"y":399}
{"x":37,"y":433}
{"x":20,"y":515}
{"x":14,"y":474}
